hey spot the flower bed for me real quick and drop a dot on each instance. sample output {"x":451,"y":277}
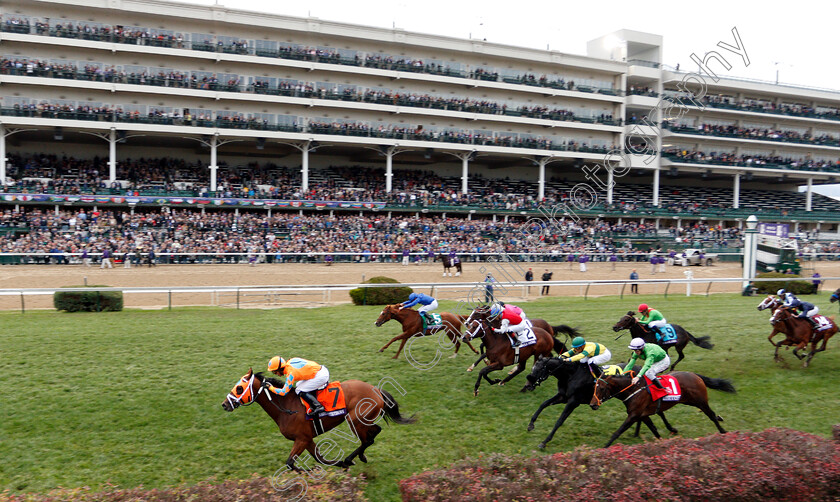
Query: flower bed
{"x":776,"y":464}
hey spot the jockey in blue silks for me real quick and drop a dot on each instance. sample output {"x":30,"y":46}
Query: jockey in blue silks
{"x":428,"y":303}
{"x":806,"y":310}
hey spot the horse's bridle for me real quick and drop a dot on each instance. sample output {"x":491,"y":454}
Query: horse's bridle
{"x":600,"y":402}
{"x":231,"y":399}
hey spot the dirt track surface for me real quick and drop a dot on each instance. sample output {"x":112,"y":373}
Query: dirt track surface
{"x":53,"y":276}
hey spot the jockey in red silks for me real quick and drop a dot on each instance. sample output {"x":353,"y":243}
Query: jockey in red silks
{"x":514,"y":321}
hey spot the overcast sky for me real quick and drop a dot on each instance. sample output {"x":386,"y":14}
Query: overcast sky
{"x":798,"y":40}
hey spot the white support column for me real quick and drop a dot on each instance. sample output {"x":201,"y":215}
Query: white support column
{"x":389,"y":169}
{"x":736,"y":191}
{"x":610,"y":183}
{"x":656,"y":187}
{"x":465,"y":171}
{"x":213,"y":165}
{"x":112,"y":156}
{"x":2,"y":155}
{"x":541,"y":187}
{"x":304,"y":167}
{"x":809,"y":194}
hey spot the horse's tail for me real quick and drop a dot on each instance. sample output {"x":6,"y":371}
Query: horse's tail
{"x":392,"y":410}
{"x":569,"y":331}
{"x":701,"y":341}
{"x":718,"y":384}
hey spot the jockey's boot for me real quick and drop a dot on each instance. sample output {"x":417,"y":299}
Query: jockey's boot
{"x":813,"y":322}
{"x":310,"y":398}
{"x":657,"y":383}
{"x":514,"y":340}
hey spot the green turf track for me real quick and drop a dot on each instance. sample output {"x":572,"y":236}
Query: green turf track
{"x":134,"y":397}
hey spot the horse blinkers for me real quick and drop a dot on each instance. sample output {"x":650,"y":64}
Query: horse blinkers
{"x":242,"y":394}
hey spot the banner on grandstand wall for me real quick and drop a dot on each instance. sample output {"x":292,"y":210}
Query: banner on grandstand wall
{"x":777,"y":229}
{"x":165,"y":201}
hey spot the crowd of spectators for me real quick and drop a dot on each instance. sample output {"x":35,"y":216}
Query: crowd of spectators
{"x":161,"y":38}
{"x":748,"y":160}
{"x":205,"y":81}
{"x":757,"y":133}
{"x":220,"y":231}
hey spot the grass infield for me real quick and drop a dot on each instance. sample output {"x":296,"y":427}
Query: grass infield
{"x":133,"y":397}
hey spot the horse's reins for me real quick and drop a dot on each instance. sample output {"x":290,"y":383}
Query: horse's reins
{"x":595,"y":392}
{"x":238,"y":399}
{"x":270,"y":400}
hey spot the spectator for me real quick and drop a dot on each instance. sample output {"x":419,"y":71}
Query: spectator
{"x":529,"y":276}
{"x":405,"y":254}
{"x":749,"y":290}
{"x":106,"y":259}
{"x":582,"y":260}
{"x":570,"y":259}
{"x":816,"y":282}
{"x":328,"y":259}
{"x":634,"y":286}
{"x":85,"y":257}
{"x":488,"y":289}
{"x":613,"y":259}
{"x":546,"y":277}
{"x":126,"y":260}
{"x":152,"y":258}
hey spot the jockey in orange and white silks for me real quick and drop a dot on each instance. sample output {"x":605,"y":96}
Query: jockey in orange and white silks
{"x":305,"y":376}
{"x":514,"y":321}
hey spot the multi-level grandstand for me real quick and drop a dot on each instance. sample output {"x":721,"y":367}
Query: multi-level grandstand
{"x":144,"y":104}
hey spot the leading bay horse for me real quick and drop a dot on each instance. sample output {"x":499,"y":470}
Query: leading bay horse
{"x":499,"y":351}
{"x":365,"y":404}
{"x":798,"y":333}
{"x":448,"y":263}
{"x":639,"y":404}
{"x":412,"y":325}
{"x":575,"y":386}
{"x":638,"y":330}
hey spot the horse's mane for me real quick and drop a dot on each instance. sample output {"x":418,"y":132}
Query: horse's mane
{"x":273,"y":381}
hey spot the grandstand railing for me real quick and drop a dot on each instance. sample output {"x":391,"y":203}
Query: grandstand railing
{"x":469,"y":294}
{"x":684,"y":129}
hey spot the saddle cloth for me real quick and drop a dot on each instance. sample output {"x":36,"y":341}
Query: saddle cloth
{"x":527,"y":337}
{"x":823,"y":321}
{"x":436,"y":322}
{"x":332,"y":397}
{"x":672,"y":390}
{"x":667,"y":334}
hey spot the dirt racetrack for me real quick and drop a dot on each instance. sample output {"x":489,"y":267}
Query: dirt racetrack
{"x":53,"y":276}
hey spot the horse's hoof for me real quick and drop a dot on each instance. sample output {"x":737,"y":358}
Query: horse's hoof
{"x":475,"y":393}
{"x":471,"y":368}
{"x":530,"y":427}
{"x":453,"y":356}
{"x":541,"y":446}
{"x":362,"y":457}
{"x":511,"y":372}
{"x":381,"y":350}
{"x":501,"y":384}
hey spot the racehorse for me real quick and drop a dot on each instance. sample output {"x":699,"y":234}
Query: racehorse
{"x":290,"y":415}
{"x":575,"y":386}
{"x":538,"y":323}
{"x":448,"y":264}
{"x":835,"y":296}
{"x":638,"y":330}
{"x":640,"y":405}
{"x":798,"y":332}
{"x":412,"y":325}
{"x":499,"y":351}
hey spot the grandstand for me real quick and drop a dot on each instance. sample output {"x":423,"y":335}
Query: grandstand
{"x":122,"y":105}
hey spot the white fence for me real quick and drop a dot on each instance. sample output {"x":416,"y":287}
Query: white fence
{"x":320,"y":295}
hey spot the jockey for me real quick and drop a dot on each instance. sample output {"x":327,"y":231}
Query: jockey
{"x":428,"y":303}
{"x":513,"y":321}
{"x":591,"y":353}
{"x":656,"y":360}
{"x":806,"y":310}
{"x":652,"y":319}
{"x":305,"y":376}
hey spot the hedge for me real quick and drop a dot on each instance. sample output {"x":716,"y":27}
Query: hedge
{"x":775,"y":464}
{"x":334,"y":486}
{"x":380,"y":296}
{"x":88,"y":301}
{"x":797,"y":287}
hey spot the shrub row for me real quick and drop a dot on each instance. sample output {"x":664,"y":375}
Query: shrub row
{"x":88,"y":301}
{"x":380,"y":296}
{"x":776,"y":464}
{"x":787,"y":281}
{"x":335,"y":486}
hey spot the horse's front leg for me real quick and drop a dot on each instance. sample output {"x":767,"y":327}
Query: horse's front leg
{"x":567,"y":410}
{"x":297,"y":448}
{"x":557,"y":399}
{"x":519,"y":368}
{"x":626,"y":425}
{"x":480,"y":358}
{"x":483,"y":374}
{"x":401,"y":335}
